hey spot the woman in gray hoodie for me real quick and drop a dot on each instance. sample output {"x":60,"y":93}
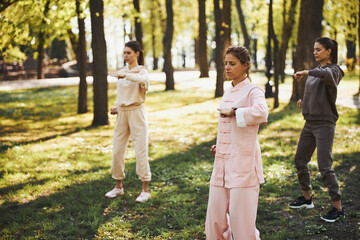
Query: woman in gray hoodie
{"x":320,"y":113}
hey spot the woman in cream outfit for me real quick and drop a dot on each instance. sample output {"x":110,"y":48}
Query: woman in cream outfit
{"x":237,"y":173}
{"x":131,"y":87}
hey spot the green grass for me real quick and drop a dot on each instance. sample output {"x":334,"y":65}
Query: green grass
{"x":55,"y":169}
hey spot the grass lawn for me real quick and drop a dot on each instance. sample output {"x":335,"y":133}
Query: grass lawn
{"x":55,"y":169}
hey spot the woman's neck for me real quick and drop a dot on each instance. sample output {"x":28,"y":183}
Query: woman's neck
{"x":133,"y":65}
{"x":325,"y":62}
{"x":239,"y":80}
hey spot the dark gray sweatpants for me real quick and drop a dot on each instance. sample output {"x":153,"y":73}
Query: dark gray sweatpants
{"x":318,"y":134}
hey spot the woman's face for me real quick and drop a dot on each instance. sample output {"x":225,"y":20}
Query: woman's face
{"x":321,"y":54}
{"x":234,"y":69}
{"x":130,"y":55}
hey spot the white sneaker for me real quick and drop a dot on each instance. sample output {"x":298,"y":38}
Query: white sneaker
{"x":144,"y":196}
{"x":115,"y":192}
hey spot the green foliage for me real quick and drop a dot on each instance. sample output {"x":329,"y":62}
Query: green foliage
{"x":22,"y":22}
{"x":55,"y":169}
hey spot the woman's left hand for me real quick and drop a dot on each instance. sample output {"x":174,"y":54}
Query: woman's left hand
{"x":227,"y":112}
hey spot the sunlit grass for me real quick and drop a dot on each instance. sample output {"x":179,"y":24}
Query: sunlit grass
{"x":55,"y":169}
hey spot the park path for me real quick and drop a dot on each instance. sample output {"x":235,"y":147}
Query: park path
{"x":189,"y":78}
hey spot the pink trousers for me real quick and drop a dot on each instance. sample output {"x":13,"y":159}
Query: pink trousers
{"x":231,"y":213}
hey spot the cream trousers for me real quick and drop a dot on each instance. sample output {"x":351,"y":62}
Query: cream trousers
{"x":131,"y":122}
{"x":231,"y":213}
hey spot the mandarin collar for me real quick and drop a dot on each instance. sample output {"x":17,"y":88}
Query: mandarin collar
{"x":239,"y":85}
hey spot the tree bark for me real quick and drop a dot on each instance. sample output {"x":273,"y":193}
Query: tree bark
{"x":287,"y":32}
{"x":243,"y":25}
{"x":81,"y":61}
{"x":226,"y":16}
{"x":219,"y":39}
{"x":359,"y":42}
{"x":153,"y":38}
{"x":276,"y":57}
{"x":202,"y":56}
{"x":40,"y":48}
{"x":167,"y":42}
{"x":309,"y":30}
{"x":98,"y":44}
{"x":138,"y":27}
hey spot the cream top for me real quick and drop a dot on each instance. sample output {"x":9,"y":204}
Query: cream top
{"x":132,"y":89}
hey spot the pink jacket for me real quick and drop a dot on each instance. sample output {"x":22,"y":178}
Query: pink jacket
{"x":238,"y":156}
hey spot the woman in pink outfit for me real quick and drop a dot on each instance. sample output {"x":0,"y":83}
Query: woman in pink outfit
{"x":237,"y":173}
{"x":131,"y":87}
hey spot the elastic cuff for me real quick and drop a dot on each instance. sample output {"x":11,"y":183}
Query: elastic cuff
{"x":240,"y":119}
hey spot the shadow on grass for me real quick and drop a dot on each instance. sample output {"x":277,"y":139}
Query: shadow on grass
{"x":178,"y":206}
{"x":277,"y":221}
{"x":4,"y":147}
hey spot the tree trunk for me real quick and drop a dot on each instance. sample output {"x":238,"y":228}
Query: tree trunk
{"x":219,"y":51}
{"x":287,"y":32}
{"x":153,"y":38}
{"x":309,"y":30}
{"x":226,"y":16}
{"x":243,"y":25}
{"x":40,"y":48}
{"x":276,"y":57}
{"x":98,"y":45}
{"x":202,"y":56}
{"x":81,"y":61}
{"x":40,"y":59}
{"x":138,"y":27}
{"x":359,"y":43}
{"x":167,"y":42}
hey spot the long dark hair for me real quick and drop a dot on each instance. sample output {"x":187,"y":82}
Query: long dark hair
{"x":241,"y":53}
{"x":328,"y":43}
{"x":135,"y":46}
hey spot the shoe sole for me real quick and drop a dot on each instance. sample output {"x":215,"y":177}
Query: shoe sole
{"x":143,"y":200}
{"x":330,"y":220}
{"x":119,"y":194}
{"x":307,"y":206}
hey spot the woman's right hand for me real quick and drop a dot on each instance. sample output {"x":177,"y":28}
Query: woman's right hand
{"x":113,"y":111}
{"x":299,"y":103}
{"x":121,"y":74}
{"x":213,"y":149}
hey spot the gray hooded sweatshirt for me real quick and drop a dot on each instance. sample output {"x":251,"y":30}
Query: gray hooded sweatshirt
{"x":321,"y":92}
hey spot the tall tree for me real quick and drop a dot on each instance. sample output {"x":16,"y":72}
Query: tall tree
{"x":351,"y":44}
{"x":243,"y":25}
{"x":41,"y":42}
{"x":226,"y":13}
{"x":276,"y":55}
{"x":359,"y":42}
{"x":167,"y":43}
{"x":222,"y":39}
{"x":138,"y":27}
{"x":308,"y":31}
{"x":288,"y":23}
{"x":81,"y":59}
{"x":202,"y":56}
{"x":98,"y":45}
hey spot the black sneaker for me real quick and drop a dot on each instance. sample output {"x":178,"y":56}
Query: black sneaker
{"x":301,"y":202}
{"x":333,"y":215}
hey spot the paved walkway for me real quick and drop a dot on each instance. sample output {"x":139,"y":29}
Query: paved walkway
{"x":189,"y":78}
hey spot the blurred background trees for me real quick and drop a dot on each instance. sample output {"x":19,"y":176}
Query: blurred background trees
{"x":175,"y":35}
